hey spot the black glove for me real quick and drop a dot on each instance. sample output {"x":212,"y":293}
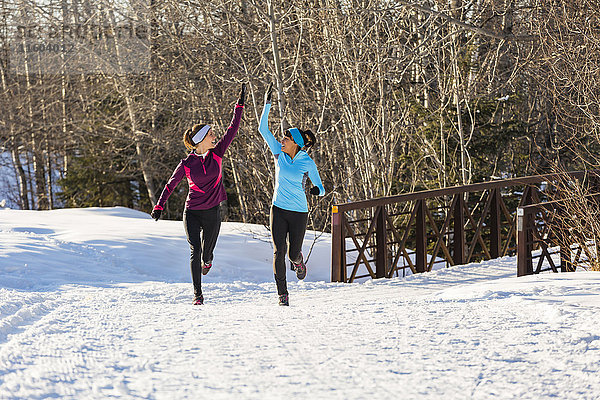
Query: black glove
{"x":156,"y":214}
{"x":315,"y":190}
{"x":269,"y":94}
{"x":242,"y":98}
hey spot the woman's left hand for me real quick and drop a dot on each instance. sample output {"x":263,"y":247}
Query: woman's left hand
{"x":242,"y":98}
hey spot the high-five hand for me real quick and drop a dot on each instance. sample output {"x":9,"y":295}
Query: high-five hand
{"x":269,"y":94}
{"x":242,"y":98}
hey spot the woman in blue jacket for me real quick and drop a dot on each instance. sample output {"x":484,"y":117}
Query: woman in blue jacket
{"x":289,"y":210}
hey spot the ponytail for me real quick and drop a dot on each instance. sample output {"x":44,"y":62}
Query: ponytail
{"x":309,"y":138}
{"x":187,"y":136}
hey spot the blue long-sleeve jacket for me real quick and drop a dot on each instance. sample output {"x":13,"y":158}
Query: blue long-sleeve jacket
{"x":290,"y":174}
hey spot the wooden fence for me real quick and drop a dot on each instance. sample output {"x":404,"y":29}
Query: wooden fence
{"x":384,"y":237}
{"x":542,"y":227}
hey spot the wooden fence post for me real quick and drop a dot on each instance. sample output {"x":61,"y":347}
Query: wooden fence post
{"x":421,"y":236}
{"x":495,"y":224}
{"x":381,"y":244}
{"x":459,"y":229}
{"x":524,"y":245}
{"x":337,"y":246}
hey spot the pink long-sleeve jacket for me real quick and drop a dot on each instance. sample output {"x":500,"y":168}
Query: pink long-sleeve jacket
{"x":204,"y":174}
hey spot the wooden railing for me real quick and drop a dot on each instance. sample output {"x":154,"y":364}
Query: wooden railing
{"x":384,"y":237}
{"x":536,"y":230}
{"x":542,"y":227}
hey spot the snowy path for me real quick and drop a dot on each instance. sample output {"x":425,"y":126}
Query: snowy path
{"x":361,"y":341}
{"x":470,"y":332}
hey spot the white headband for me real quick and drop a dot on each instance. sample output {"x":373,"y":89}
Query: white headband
{"x":199,"y":136}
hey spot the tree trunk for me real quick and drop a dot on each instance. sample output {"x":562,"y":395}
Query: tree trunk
{"x":21,"y":177}
{"x":457,"y":100}
{"x":123,"y":86}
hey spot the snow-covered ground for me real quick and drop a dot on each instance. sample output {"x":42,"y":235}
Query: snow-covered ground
{"x":96,"y":303}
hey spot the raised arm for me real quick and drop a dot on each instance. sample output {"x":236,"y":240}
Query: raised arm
{"x":226,"y":140}
{"x":263,"y":126}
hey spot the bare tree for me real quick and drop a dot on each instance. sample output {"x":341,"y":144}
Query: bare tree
{"x":402,"y":95}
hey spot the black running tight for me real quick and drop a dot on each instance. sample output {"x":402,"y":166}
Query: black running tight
{"x":202,"y":229}
{"x":286,"y":225}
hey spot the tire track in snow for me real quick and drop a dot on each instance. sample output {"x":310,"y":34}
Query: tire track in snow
{"x":20,"y":332}
{"x":282,"y":336}
{"x":63,"y":351}
{"x":299,"y":330}
{"x":25,"y":314}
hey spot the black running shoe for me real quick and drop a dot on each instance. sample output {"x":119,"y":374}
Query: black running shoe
{"x":284,"y":300}
{"x":300,"y":268}
{"x":206,"y":268}
{"x":198,"y":300}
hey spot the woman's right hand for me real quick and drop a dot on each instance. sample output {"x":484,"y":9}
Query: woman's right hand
{"x":156,"y":214}
{"x":269,"y":94}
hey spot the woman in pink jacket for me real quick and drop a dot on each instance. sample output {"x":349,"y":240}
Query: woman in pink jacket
{"x":203,"y":169}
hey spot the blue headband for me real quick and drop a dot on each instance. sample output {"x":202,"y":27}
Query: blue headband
{"x":297,"y":137}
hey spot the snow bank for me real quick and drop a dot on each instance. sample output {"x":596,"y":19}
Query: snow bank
{"x":109,"y":245}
